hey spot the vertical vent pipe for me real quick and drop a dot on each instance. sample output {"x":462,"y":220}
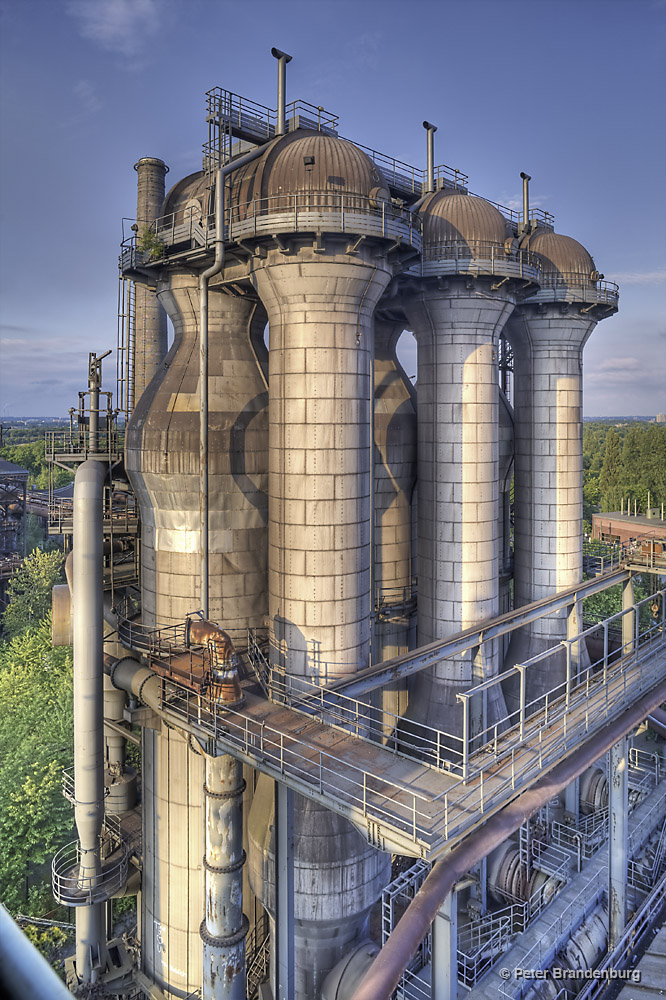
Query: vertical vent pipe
{"x":430,"y":163}
{"x":526,"y":200}
{"x":282,"y":59}
{"x":216,"y":267}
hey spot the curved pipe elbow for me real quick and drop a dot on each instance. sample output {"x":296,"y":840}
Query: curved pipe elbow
{"x":128,"y":675}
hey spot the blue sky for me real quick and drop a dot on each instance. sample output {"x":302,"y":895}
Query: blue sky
{"x":574,"y":93}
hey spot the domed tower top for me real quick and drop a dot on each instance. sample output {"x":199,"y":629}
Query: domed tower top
{"x":561,"y":254}
{"x":451,"y":217}
{"x":309,"y":182}
{"x":569,"y":273}
{"x":308,"y":162}
{"x":466,"y":235}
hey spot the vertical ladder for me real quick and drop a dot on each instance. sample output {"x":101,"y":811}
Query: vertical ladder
{"x":126,"y":347}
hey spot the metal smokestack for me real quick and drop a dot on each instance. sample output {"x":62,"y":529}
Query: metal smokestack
{"x":526,"y":199}
{"x":430,"y":164}
{"x":282,"y":59}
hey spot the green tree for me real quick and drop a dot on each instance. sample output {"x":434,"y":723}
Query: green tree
{"x":29,"y":591}
{"x":611,"y":477}
{"x":36,"y":741}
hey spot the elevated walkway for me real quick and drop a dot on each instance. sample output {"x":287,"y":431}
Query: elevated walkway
{"x":404,"y":803}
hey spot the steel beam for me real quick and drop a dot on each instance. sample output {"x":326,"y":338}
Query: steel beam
{"x":411,"y":663}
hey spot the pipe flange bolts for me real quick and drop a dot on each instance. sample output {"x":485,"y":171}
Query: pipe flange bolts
{"x":225,"y":869}
{"x":229,"y":940}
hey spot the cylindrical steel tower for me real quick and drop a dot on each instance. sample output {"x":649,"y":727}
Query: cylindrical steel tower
{"x":548,"y":333}
{"x":320,"y":292}
{"x":150,"y":344}
{"x":457,"y":310}
{"x":163,"y":462}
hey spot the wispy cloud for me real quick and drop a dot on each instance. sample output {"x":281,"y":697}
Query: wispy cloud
{"x":85,"y":92}
{"x":120,"y":26}
{"x":516,"y":202}
{"x":628,"y":372}
{"x":639,"y":278}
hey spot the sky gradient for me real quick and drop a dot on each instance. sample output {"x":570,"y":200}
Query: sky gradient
{"x":571,"y":92}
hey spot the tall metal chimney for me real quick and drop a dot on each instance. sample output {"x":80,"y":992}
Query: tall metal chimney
{"x":430,"y":164}
{"x":282,"y":59}
{"x":526,"y":200}
{"x":150,"y":318}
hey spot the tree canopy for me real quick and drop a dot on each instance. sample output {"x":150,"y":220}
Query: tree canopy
{"x":29,"y":591}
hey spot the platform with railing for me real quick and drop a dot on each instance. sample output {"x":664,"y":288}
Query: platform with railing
{"x":578,"y":289}
{"x":73,"y":886}
{"x":478,"y":258}
{"x":419,"y":789}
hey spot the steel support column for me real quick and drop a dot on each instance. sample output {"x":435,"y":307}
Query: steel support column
{"x":284,"y":893}
{"x":445,"y":950}
{"x":628,"y":632}
{"x":617,"y":840}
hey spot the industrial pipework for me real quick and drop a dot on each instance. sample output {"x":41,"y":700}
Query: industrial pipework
{"x":88,"y":627}
{"x":282,"y":59}
{"x":430,"y":161}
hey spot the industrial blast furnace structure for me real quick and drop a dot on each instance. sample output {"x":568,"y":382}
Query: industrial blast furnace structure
{"x":346,"y":649}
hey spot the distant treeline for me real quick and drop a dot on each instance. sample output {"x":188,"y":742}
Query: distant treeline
{"x":623,"y":462}
{"x":24,"y":446}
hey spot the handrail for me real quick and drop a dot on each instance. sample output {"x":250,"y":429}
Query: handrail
{"x":73,"y":889}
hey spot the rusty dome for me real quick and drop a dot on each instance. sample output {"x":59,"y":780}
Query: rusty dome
{"x":303,"y":162}
{"x":189,"y":196}
{"x":561,"y":254}
{"x":461,"y":217}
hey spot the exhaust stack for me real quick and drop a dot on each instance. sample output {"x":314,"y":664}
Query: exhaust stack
{"x":526,"y":200}
{"x":282,"y":59}
{"x":430,"y":163}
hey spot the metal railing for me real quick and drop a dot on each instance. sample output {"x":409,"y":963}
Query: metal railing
{"x":75,"y":445}
{"x":478,"y":257}
{"x":71,"y":888}
{"x":489,"y":765}
{"x":391,"y":602}
{"x":575,"y":287}
{"x":120,"y":510}
{"x":619,"y":958}
{"x":186,"y":232}
{"x":257,"y":956}
{"x":541,"y":955}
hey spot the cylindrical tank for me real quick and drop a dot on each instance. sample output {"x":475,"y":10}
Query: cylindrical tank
{"x":457,"y":314}
{"x":394,"y":481}
{"x":548,"y":333}
{"x":163,"y":464}
{"x":172,"y":900}
{"x":150,"y":331}
{"x":320,"y":295}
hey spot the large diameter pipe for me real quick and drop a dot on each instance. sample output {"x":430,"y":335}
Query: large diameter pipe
{"x":24,"y":972}
{"x":282,"y":59}
{"x":384,"y":974}
{"x":430,"y":164}
{"x":224,"y":926}
{"x":204,"y":279}
{"x":88,"y":631}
